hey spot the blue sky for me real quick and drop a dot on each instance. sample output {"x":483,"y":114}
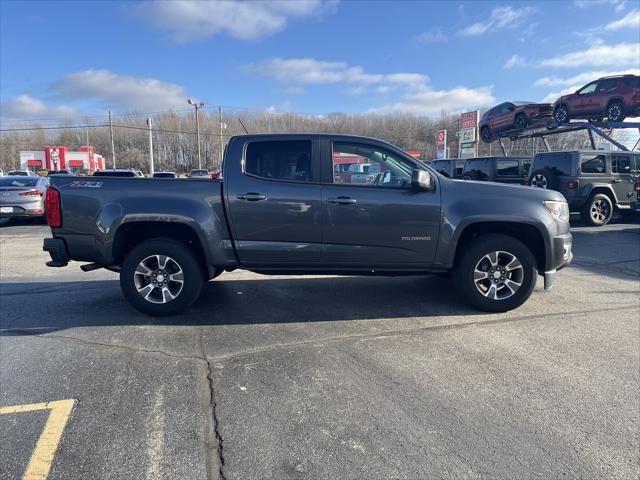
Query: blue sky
{"x":76,"y":58}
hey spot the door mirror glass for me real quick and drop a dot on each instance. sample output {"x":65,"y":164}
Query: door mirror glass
{"x":421,"y":180}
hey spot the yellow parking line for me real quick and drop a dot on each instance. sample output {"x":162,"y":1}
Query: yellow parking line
{"x":47,"y":444}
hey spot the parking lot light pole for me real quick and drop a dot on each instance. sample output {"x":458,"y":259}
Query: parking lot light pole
{"x":197,"y":105}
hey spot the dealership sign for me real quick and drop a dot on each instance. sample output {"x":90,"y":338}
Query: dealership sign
{"x":469,"y":119}
{"x":468,"y":135}
{"x":441,"y":144}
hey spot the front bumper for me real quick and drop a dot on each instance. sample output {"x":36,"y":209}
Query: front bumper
{"x":57,"y":250}
{"x":561,"y":256}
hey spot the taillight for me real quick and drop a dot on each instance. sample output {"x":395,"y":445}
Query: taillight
{"x":636,"y":186}
{"x":572,"y":184}
{"x":32,"y":193}
{"x":52,"y":207}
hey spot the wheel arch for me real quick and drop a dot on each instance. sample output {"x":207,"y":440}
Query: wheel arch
{"x":130,"y":234}
{"x":530,"y":235}
{"x":606,"y":190}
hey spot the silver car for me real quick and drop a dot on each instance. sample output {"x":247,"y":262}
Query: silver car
{"x":199,"y":173}
{"x":22,"y":196}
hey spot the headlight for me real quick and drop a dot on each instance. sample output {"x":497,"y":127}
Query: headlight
{"x":558,"y":210}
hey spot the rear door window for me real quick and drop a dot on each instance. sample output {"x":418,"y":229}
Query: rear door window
{"x":288,"y":160}
{"x":607,"y":84}
{"x":593,"y":163}
{"x":558,"y":163}
{"x":621,"y":164}
{"x":507,"y":168}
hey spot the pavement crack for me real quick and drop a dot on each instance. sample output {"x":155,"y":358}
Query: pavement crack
{"x":213,"y":437}
{"x":109,"y":346}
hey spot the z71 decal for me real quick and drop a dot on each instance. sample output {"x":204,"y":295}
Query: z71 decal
{"x":85,"y":184}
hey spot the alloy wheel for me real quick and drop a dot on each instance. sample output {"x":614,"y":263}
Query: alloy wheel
{"x":539,"y":181}
{"x":561,"y":114}
{"x":614,"y":113}
{"x":599,"y":211}
{"x":498,"y":275}
{"x":159,"y":279}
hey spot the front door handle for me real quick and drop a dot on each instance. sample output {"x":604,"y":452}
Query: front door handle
{"x":251,"y":197}
{"x":342,"y":201}
{"x":616,"y":180}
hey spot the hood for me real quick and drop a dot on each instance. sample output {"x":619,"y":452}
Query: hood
{"x":499,"y":191}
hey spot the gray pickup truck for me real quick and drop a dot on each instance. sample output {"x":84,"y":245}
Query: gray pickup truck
{"x":309,"y":204}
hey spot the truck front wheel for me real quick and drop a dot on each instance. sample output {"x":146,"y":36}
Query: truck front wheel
{"x":496,"y":273}
{"x":161,"y":277}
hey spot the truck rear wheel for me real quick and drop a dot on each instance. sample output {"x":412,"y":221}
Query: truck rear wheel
{"x":161,"y":277}
{"x":496,"y":273}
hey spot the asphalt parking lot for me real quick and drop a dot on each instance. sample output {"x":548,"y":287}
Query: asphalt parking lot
{"x":321,"y":377}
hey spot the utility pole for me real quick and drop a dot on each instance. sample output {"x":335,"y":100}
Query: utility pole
{"x":222,"y":126}
{"x":197,"y":106}
{"x":150,"y":147}
{"x":113,"y":148}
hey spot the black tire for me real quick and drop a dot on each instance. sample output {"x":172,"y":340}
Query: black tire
{"x":180,"y":254}
{"x":475,"y":253}
{"x":486,"y":135}
{"x":544,"y":178}
{"x":467,"y":177}
{"x":521,"y":121}
{"x":615,"y":112}
{"x":598,"y":210}
{"x":561,"y":114}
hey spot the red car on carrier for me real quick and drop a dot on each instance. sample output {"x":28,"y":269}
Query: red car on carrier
{"x":612,"y":97}
{"x":513,"y":116}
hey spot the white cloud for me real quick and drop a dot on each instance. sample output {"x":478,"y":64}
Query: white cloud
{"x":428,"y":101}
{"x":580,"y":79}
{"x":434,"y":35}
{"x":630,"y":20}
{"x":120,"y":92}
{"x":622,"y":54}
{"x":618,"y":5}
{"x":514,"y":61}
{"x":416,"y":95}
{"x":25,"y":106}
{"x":189,"y":20}
{"x":309,"y":71}
{"x":505,"y":17}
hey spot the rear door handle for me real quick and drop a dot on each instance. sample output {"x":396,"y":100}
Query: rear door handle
{"x":342,"y":201}
{"x":616,"y":180}
{"x":251,"y":197}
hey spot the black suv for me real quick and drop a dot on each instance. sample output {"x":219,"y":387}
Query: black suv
{"x":450,"y":168}
{"x":594,"y":182}
{"x":497,"y":169}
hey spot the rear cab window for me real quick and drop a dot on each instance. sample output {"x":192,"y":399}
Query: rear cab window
{"x":284,"y":160}
{"x":560,"y":163}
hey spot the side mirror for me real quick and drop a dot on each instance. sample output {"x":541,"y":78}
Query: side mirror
{"x":421,"y":180}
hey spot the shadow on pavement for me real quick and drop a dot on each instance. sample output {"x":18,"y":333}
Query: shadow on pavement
{"x":29,"y":308}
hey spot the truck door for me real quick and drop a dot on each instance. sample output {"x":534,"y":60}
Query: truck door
{"x":622,"y":170}
{"x":377,"y":220}
{"x":274,"y":202}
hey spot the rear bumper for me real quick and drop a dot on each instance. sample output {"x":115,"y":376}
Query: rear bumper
{"x":57,"y":249}
{"x":35,"y":210}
